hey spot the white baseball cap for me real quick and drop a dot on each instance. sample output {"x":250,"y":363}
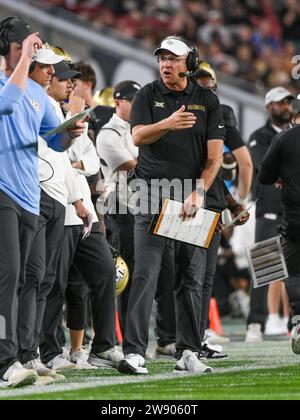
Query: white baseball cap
{"x":47,"y":56}
{"x":277,"y":95}
{"x":175,"y":46}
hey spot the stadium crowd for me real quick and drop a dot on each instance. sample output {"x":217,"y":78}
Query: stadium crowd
{"x":253,"y":40}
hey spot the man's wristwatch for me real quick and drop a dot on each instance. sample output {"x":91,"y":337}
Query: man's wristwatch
{"x":200,"y":190}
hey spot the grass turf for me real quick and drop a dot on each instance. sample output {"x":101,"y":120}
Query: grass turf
{"x":264,"y":372}
{"x":267,"y":384}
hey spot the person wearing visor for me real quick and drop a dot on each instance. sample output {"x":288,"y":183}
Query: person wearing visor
{"x":58,"y":188}
{"x":25,"y":113}
{"x":86,"y":255}
{"x":179,"y":130}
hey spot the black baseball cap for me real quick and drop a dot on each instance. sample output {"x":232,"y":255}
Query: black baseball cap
{"x":63,"y":71}
{"x":18,"y":29}
{"x":126,"y":90}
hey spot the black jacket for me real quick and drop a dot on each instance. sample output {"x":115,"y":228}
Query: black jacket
{"x":283,"y":161}
{"x":269,"y":198}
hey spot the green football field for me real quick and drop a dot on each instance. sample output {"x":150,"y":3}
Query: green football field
{"x":257,"y":372}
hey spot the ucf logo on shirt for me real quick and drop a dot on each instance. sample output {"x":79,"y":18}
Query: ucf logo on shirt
{"x":35,"y":105}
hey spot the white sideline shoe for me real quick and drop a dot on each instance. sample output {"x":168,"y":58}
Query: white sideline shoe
{"x":166,"y":351}
{"x":296,"y":339}
{"x":80,"y":359}
{"x":44,"y":380}
{"x":275,"y":326}
{"x":42,"y":370}
{"x":190,"y":363}
{"x":254,"y":334}
{"x":18,"y":376}
{"x":108,"y":359}
{"x":60,"y":363}
{"x":212,"y":338}
{"x":133,"y":364}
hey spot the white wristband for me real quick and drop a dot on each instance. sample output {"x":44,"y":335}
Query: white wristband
{"x":241,"y":201}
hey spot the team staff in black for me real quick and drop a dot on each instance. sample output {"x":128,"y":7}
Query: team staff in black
{"x":269,"y":206}
{"x":206,"y":77}
{"x":219,"y":198}
{"x":179,"y":129}
{"x":282,"y":163}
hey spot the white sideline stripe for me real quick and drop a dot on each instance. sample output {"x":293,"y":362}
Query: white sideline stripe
{"x":267,"y":355}
{"x":102,"y":382}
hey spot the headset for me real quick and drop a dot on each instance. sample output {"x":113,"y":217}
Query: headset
{"x":193,"y":58}
{"x":5,"y":26}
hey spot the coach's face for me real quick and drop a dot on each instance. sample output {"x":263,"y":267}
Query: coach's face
{"x":42,"y":74}
{"x":281,"y":112}
{"x":170,"y":65}
{"x":123,"y":107}
{"x":14,"y":55}
{"x":60,"y":89}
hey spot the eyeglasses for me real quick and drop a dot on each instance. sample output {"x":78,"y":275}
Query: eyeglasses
{"x":172,"y":60}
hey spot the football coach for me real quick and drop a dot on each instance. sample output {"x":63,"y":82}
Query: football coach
{"x":179,"y":130}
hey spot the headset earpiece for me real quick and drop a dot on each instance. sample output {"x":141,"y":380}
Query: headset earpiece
{"x":5,"y":26}
{"x":193,"y":58}
{"x":4,"y":44}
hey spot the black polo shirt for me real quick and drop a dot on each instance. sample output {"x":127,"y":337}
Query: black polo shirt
{"x":268,"y":196}
{"x":216,"y":197}
{"x":183,"y":154}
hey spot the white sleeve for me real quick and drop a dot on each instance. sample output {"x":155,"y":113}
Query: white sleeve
{"x":112,"y":150}
{"x":74,"y":191}
{"x":84,"y":150}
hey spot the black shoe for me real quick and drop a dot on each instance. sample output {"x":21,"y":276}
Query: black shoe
{"x":208,"y":353}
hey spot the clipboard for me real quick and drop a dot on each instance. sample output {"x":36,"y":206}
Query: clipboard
{"x":198,"y":231}
{"x":71,"y":123}
{"x":266,"y":262}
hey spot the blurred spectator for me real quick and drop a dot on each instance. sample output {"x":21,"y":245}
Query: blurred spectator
{"x":254,"y":40}
{"x":215,"y":29}
{"x":291,"y":20}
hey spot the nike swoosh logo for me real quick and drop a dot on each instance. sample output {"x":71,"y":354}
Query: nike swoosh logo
{"x":221,"y":126}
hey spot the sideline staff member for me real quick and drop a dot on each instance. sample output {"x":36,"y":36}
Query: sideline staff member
{"x":179,"y":129}
{"x":268,"y":211}
{"x":282,"y":163}
{"x":25,"y":113}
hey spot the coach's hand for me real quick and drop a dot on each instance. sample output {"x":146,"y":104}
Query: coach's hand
{"x":191,"y":206}
{"x":79,"y":128}
{"x":238,"y":209}
{"x":181,"y":120}
{"x":30,"y":45}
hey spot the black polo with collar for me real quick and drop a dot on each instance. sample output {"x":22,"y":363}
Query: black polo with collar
{"x":182,"y":154}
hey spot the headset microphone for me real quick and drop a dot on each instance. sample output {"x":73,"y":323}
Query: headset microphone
{"x":188,"y":74}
